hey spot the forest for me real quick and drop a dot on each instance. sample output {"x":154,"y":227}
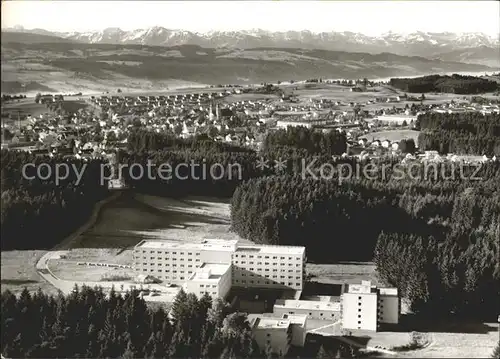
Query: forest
{"x":37,"y":213}
{"x":313,"y":142}
{"x":464,"y":133}
{"x":91,"y":324}
{"x":444,"y":222}
{"x":447,"y":230}
{"x":457,"y":84}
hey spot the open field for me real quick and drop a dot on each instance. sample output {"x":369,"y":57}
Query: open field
{"x":476,"y":341}
{"x":70,"y":67}
{"x":343,"y":94}
{"x":129,"y":219}
{"x":249,"y":97}
{"x":73,"y":106}
{"x":24,"y":107}
{"x":111,"y":239}
{"x":392,"y":135}
{"x":348,"y":272}
{"x":18,"y":271}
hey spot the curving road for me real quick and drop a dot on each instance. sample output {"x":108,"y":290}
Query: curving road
{"x":67,"y":286}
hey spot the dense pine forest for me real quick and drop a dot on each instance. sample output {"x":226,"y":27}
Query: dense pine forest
{"x":91,"y":324}
{"x":455,"y":83}
{"x":313,"y":142}
{"x":430,"y":239}
{"x":37,"y":213}
{"x":464,"y":133}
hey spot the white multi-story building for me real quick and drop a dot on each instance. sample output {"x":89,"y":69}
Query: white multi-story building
{"x":175,"y":262}
{"x":366,"y":307}
{"x":299,"y":328}
{"x":324,"y":310}
{"x":389,"y":305}
{"x":278,"y":332}
{"x":211,"y":279}
{"x":262,"y":266}
{"x":273,"y":333}
{"x":269,"y":266}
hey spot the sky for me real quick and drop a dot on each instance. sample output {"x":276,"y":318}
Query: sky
{"x":368,"y":17}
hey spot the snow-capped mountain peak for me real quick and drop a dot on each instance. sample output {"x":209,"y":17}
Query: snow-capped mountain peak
{"x":419,"y":43}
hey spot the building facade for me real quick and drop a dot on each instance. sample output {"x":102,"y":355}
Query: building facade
{"x":269,"y":266}
{"x":175,"y":262}
{"x":366,"y":307}
{"x":278,"y":332}
{"x":323,"y":310}
{"x":211,"y":279}
{"x":180,"y":263}
{"x":273,"y":333}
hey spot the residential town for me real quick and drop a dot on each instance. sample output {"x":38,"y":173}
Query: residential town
{"x":102,"y":123}
{"x":230,"y":270}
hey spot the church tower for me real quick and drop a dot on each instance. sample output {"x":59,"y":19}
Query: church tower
{"x":210,"y":112}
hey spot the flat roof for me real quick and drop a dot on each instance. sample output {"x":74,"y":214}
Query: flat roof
{"x":307,"y":305}
{"x":360,"y":288}
{"x":389,"y":291}
{"x":270,"y":249}
{"x":271,"y":323}
{"x":220,"y":245}
{"x":208,"y":244}
{"x":210,"y":272}
{"x":299,"y":319}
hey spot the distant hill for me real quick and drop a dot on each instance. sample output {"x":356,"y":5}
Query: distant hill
{"x":63,"y":62}
{"x":28,"y":38}
{"x":457,"y":84}
{"x":476,"y":55}
{"x":419,"y":43}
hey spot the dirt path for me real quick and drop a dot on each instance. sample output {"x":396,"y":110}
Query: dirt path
{"x":58,"y":250}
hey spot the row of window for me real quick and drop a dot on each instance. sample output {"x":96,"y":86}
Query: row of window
{"x":166,"y":252}
{"x":265,"y":257}
{"x":290,"y":284}
{"x":167,"y":265}
{"x":167,"y":258}
{"x":236,"y":270}
{"x":166,"y":271}
{"x":269,"y":276}
{"x":320,"y":314}
{"x":268,"y":263}
{"x":208,"y":285}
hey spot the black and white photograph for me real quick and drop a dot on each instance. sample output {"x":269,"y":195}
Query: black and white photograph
{"x":250,"y":179}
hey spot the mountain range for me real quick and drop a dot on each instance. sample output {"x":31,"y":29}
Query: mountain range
{"x":467,"y":47}
{"x":157,"y":58}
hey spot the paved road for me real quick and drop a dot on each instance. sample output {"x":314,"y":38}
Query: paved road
{"x":67,"y":286}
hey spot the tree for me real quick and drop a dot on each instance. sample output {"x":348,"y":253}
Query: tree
{"x":217,"y":312}
{"x":322,"y":353}
{"x":496,"y":351}
{"x":212,"y":131}
{"x":38,"y":97}
{"x":235,"y":324}
{"x":407,"y":145}
{"x":129,"y":351}
{"x":179,"y":308}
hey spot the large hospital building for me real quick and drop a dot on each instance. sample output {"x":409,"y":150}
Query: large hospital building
{"x":366,"y":307}
{"x":213,"y":266}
